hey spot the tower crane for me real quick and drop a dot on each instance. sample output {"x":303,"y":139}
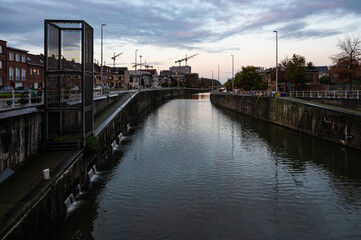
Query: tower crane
{"x":186,"y":59}
{"x":114,"y":57}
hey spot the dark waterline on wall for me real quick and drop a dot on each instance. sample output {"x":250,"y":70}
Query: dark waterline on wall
{"x":190,"y":170}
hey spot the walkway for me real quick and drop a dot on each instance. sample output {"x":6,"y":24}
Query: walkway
{"x":325,"y":106}
{"x":25,"y":186}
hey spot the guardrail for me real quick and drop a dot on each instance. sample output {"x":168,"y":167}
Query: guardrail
{"x":19,"y":99}
{"x":349,"y":94}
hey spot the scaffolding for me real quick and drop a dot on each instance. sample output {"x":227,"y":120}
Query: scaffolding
{"x":68,"y":50}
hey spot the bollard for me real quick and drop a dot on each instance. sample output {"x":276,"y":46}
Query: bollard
{"x":13,"y":100}
{"x":29,"y":97}
{"x":46,"y":173}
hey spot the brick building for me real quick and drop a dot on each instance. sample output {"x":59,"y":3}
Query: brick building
{"x":13,"y":66}
{"x":18,"y":68}
{"x":2,"y":62}
{"x":36,"y":71}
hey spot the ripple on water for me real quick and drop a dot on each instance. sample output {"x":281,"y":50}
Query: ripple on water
{"x":196,"y":172}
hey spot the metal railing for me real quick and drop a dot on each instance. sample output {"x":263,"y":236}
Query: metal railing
{"x":349,"y":94}
{"x":19,"y":99}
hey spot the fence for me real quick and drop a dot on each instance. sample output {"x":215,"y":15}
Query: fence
{"x":350,"y":94}
{"x":19,"y":99}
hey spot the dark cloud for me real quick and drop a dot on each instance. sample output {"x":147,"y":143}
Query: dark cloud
{"x":174,"y":23}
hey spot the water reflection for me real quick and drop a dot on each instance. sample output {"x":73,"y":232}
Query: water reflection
{"x":194,"y":171}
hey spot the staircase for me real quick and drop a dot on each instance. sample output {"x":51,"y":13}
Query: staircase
{"x":61,"y":145}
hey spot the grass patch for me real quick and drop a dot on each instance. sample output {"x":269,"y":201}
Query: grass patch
{"x":9,"y":95}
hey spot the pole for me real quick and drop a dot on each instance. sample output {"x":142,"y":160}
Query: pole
{"x":140,"y":69}
{"x":135,"y":73}
{"x":276,"y":61}
{"x":218,"y":73}
{"x":101,"y":61}
{"x":212,"y":81}
{"x":232,"y":73}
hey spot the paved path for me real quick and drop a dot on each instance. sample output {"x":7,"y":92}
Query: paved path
{"x":325,"y":106}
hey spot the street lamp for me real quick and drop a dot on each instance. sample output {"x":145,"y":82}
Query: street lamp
{"x":140,"y":69}
{"x":276,"y":61}
{"x":212,"y":81}
{"x":101,"y":59}
{"x":218,"y":72}
{"x":135,"y":66}
{"x":232,"y":73}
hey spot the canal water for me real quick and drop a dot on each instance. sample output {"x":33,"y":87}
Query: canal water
{"x":190,"y":170}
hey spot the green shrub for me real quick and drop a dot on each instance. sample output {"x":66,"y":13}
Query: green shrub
{"x":92,"y":144}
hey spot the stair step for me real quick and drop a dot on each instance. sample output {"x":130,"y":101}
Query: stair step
{"x":61,"y":145}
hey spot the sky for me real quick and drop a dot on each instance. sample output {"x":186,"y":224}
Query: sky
{"x":165,"y":31}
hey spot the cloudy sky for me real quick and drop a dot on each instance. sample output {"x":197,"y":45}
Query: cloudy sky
{"x":166,"y":30}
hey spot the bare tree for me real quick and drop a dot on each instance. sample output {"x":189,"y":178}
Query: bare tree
{"x":347,"y":62}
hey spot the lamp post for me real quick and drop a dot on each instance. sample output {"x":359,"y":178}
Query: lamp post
{"x":218,"y":72}
{"x":135,"y":66}
{"x":232,"y":73}
{"x":212,"y":81}
{"x":140,"y":69}
{"x":276,"y":61}
{"x":101,"y":57}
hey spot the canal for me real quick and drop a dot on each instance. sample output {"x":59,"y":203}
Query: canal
{"x":190,"y":170}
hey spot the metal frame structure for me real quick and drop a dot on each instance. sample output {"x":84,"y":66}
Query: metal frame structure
{"x":68,"y":50}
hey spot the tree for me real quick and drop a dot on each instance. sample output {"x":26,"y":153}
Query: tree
{"x":228,"y":85}
{"x":347,"y":62}
{"x":296,"y":70}
{"x":247,"y":79}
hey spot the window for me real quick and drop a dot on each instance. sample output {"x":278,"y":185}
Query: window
{"x":23,"y":74}
{"x":38,"y":72}
{"x":23,"y":58}
{"x":31,"y":71}
{"x":11,"y":73}
{"x":1,"y":80}
{"x":1,"y":64}
{"x":1,"y":49}
{"x":17,"y":57}
{"x":17,"y":74}
{"x":11,"y":56}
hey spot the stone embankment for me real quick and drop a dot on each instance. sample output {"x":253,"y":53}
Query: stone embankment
{"x":339,"y":125}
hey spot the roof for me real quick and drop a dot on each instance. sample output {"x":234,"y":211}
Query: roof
{"x":36,"y":60}
{"x":17,"y":49}
{"x":322,"y":69}
{"x":119,"y":70}
{"x":151,"y":71}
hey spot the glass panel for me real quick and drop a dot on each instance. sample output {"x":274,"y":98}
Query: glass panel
{"x":71,"y":50}
{"x":88,"y":48}
{"x":53,"y":48}
{"x":52,"y":88}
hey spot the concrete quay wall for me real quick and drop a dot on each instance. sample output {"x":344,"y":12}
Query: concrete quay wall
{"x":21,"y":131}
{"x":40,"y":212}
{"x":341,"y":127}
